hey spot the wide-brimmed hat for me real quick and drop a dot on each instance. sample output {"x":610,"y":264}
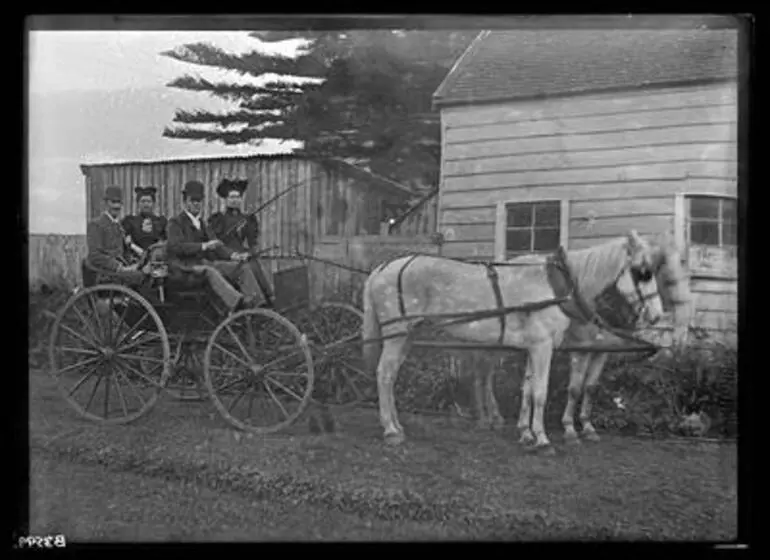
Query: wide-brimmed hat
{"x":228,"y":185}
{"x":113,"y":194}
{"x":145,"y":191}
{"x":194,"y":189}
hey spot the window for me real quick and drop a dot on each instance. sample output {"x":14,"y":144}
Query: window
{"x":532,"y":227}
{"x":712,"y":221}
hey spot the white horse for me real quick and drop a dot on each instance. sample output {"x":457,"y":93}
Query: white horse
{"x":407,"y":291}
{"x":586,"y":367}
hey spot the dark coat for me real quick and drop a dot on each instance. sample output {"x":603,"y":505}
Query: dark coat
{"x":106,"y":243}
{"x":238,"y":231}
{"x":184,"y":246}
{"x":133,"y":226}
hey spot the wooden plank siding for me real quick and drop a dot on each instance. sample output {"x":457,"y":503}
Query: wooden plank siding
{"x":616,"y":160}
{"x":294,"y":221}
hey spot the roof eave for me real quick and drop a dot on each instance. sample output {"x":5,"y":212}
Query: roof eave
{"x":445,"y":103}
{"x":453,"y":71}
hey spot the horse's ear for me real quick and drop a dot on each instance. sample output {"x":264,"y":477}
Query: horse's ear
{"x":634,"y":241}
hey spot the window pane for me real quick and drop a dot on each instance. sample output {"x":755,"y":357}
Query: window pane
{"x":546,"y":239}
{"x":704,"y":207}
{"x":518,"y":240}
{"x":729,"y":210}
{"x":704,"y":233}
{"x":547,"y":214}
{"x":730,"y":233}
{"x":520,"y":214}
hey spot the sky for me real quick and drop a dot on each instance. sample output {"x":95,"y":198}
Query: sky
{"x":99,"y":96}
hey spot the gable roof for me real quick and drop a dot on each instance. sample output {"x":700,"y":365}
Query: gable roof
{"x":520,"y":64}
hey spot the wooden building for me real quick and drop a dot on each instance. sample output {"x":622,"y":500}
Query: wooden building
{"x":573,"y":137}
{"x":332,"y":199}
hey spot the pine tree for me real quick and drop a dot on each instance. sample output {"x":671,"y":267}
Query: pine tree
{"x":368,"y":99}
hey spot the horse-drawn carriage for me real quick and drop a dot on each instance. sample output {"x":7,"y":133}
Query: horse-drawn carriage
{"x":115,"y":346}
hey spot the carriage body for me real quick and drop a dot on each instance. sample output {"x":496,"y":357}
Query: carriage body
{"x":158,"y":333}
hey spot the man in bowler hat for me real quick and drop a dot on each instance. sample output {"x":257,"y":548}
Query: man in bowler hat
{"x":144,"y":228}
{"x":105,"y":238}
{"x":190,"y":244}
{"x":239,"y":231}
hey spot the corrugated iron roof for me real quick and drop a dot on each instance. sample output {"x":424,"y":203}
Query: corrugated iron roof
{"x":516,"y":64}
{"x":345,"y":167}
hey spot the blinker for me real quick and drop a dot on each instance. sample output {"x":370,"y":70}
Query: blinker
{"x":641,"y":274}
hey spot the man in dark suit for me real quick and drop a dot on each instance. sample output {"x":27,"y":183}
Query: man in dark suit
{"x":145,"y":228}
{"x":239,"y":231}
{"x":106,"y":241}
{"x":191,"y":245}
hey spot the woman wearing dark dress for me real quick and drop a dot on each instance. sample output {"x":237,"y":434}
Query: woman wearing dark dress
{"x":239,"y":231}
{"x":145,"y":228}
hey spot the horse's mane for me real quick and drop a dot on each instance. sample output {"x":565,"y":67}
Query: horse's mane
{"x":596,"y":267}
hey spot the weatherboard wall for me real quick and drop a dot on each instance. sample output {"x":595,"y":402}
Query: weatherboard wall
{"x":616,"y":161}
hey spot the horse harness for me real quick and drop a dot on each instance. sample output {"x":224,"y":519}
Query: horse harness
{"x":563,"y":283}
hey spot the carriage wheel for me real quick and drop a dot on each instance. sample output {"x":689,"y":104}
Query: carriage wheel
{"x":334,"y":332}
{"x":109,"y":353}
{"x":259,"y":371}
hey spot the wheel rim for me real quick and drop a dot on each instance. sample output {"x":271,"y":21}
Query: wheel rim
{"x":334,"y":333}
{"x":109,"y":354}
{"x":258,"y":371}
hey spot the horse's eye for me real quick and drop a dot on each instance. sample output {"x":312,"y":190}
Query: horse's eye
{"x":641,"y":274}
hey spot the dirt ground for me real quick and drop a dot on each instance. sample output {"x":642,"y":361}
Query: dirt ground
{"x":181,"y":473}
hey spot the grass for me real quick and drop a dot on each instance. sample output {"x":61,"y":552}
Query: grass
{"x":448,"y":481}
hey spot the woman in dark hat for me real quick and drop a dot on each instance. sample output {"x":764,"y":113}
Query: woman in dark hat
{"x":239,"y":231}
{"x":145,"y":228}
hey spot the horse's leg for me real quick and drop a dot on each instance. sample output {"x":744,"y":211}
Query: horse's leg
{"x":595,"y":367}
{"x":393,"y":353}
{"x":578,"y":365}
{"x":525,"y":412}
{"x":479,"y":381}
{"x":540,"y":357}
{"x":495,"y":419}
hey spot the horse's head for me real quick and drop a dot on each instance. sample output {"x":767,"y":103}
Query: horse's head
{"x":637,"y":282}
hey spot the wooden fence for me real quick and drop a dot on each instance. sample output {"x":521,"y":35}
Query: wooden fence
{"x":54,"y":260}
{"x":361,"y":252}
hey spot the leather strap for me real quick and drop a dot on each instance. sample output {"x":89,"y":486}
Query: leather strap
{"x":401,"y":284}
{"x":494,"y":279}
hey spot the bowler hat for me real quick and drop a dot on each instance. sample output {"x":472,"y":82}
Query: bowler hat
{"x":113,"y":193}
{"x":194,"y":189}
{"x":228,"y":185}
{"x":145,"y":191}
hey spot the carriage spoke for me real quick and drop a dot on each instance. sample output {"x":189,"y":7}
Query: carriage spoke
{"x":77,"y":335}
{"x":232,"y":355}
{"x":97,"y":319}
{"x":78,"y":351}
{"x":236,"y":399}
{"x":281,"y":359}
{"x":277,"y":401}
{"x":78,"y":365}
{"x":93,"y":393}
{"x":133,"y":387}
{"x":143,"y":376}
{"x":284,"y":387}
{"x":83,"y":379}
{"x":240,"y":344}
{"x":152,"y":336}
{"x":148,"y":359}
{"x":106,"y":396}
{"x":120,"y":396}
{"x":87,"y":323}
{"x":135,"y":327}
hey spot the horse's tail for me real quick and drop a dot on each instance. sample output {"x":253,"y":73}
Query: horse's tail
{"x":371,"y":331}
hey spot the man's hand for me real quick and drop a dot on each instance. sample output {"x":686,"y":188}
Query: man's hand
{"x":213,"y":244}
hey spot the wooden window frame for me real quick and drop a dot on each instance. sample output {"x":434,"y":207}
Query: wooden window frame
{"x":682,"y":236}
{"x":501,"y":222}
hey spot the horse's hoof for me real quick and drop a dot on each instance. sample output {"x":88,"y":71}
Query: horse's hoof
{"x":592,"y":436}
{"x":394,"y":439}
{"x":572,"y":439}
{"x":527,"y":440}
